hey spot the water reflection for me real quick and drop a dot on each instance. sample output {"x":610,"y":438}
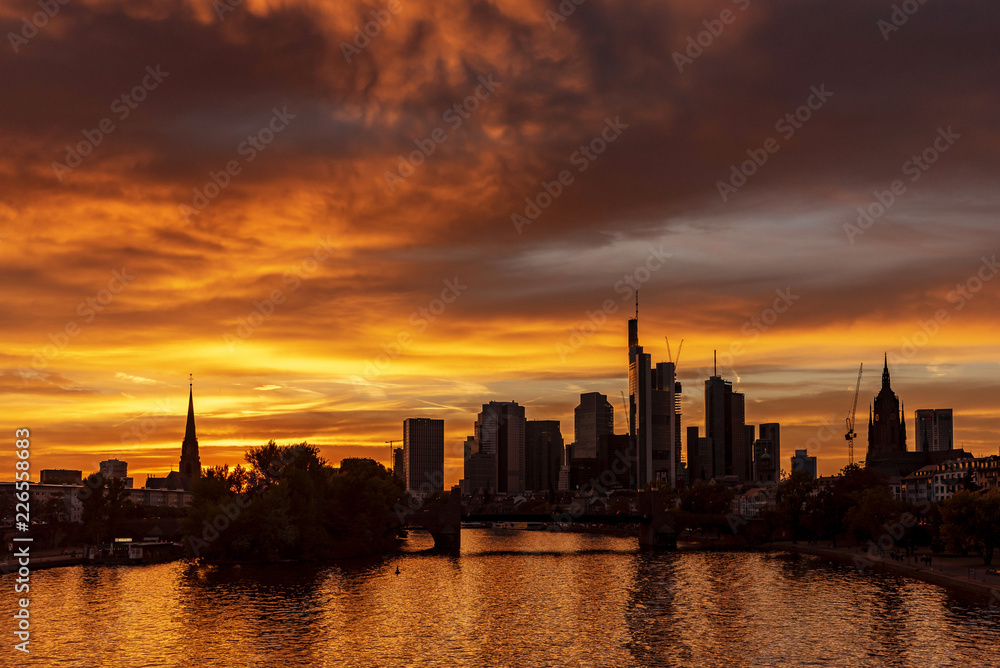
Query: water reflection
{"x":521,"y":599}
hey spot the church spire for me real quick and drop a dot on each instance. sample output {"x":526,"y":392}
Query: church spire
{"x":190,"y":464}
{"x":885,"y":372}
{"x":189,"y":434}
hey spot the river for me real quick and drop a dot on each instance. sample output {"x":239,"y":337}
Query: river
{"x":516,"y":598}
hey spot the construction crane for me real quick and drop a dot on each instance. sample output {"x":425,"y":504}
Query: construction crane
{"x":670,"y":355}
{"x":392,"y":455}
{"x":851,"y":434}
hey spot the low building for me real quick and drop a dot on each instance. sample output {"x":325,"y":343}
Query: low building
{"x":40,"y":493}
{"x":753,"y":501}
{"x":61,"y":476}
{"x":801,"y":461}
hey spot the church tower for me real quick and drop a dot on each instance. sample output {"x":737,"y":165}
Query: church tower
{"x":886,"y":424}
{"x":190,"y":466}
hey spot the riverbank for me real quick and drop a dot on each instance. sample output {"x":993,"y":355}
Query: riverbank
{"x":964,"y":574}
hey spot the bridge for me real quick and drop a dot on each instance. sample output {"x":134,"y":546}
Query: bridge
{"x":658,"y":526}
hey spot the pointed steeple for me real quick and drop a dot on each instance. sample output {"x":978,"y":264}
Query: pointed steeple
{"x":885,"y":372}
{"x":190,"y":464}
{"x":189,"y":434}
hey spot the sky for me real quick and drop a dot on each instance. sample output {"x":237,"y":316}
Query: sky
{"x":340,"y":215}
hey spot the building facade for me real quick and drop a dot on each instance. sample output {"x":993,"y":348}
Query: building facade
{"x":934,"y":429}
{"x":593,"y":418}
{"x":543,"y":445}
{"x":423,"y":455}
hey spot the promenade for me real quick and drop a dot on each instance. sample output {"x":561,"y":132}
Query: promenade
{"x":966,"y":574}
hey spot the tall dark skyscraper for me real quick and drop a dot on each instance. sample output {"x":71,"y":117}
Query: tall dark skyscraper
{"x":934,"y":429}
{"x":767,"y":453}
{"x":654,"y":426}
{"x":886,"y":424}
{"x":543,"y":455}
{"x":423,"y":454}
{"x":398,"y":467}
{"x":725,"y":426}
{"x":593,"y":418}
{"x":500,"y":432}
{"x":190,"y":464}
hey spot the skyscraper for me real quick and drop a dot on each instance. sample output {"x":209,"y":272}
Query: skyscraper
{"x":934,"y":429}
{"x":398,"y":467}
{"x":593,"y":418}
{"x":543,"y":446}
{"x":654,"y":426}
{"x":423,"y":454}
{"x":767,"y":453}
{"x":886,"y":424}
{"x":500,"y":432}
{"x":725,"y":425}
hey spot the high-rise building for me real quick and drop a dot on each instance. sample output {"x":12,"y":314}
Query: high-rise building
{"x":115,"y":468}
{"x":654,"y":424}
{"x":767,"y":453}
{"x":725,"y":425}
{"x":423,"y":455}
{"x":500,"y":432}
{"x":934,"y":429}
{"x":801,"y":461}
{"x":398,"y":467}
{"x":543,"y":455}
{"x":593,"y":418}
{"x":886,"y":424}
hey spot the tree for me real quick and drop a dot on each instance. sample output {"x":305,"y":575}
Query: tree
{"x":971,"y":521}
{"x":790,"y":500}
{"x":875,"y":510}
{"x":707,"y":498}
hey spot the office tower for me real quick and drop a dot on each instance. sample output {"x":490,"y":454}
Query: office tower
{"x":801,"y":461}
{"x":666,"y":423}
{"x":748,"y":440}
{"x":653,"y":414}
{"x":423,"y":454}
{"x":593,"y":418}
{"x":613,"y":455}
{"x":115,"y":468}
{"x":500,"y":432}
{"x":886,"y":424}
{"x":724,"y":425}
{"x":767,"y":453}
{"x":543,"y":456}
{"x":398,"y":467}
{"x":934,"y":429}
{"x":695,"y":464}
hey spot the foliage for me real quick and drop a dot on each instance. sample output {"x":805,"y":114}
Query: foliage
{"x":971,"y":522}
{"x":707,"y":498}
{"x":289,"y":503}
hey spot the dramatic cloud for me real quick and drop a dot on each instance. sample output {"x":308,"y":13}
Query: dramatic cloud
{"x":339,"y":215}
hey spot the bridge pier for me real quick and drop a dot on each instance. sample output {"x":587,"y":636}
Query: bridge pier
{"x":659,"y":532}
{"x":444,"y":524}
